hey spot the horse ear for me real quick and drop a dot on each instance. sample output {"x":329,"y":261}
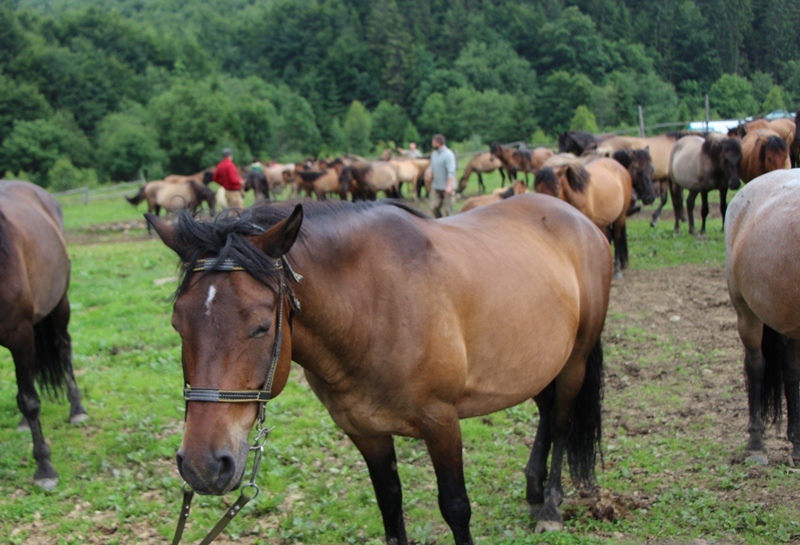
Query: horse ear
{"x":281,"y":236}
{"x":165,"y":230}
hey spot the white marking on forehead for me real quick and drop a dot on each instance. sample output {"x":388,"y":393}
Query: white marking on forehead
{"x":212,"y":292}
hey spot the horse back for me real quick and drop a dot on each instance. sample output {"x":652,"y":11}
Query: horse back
{"x":34,"y":266}
{"x":609,"y":191}
{"x":762,"y":242}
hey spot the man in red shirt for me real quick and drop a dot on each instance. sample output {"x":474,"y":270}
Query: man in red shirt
{"x":227,"y":175}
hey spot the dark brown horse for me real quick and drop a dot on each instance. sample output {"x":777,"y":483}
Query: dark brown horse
{"x":762,"y":266}
{"x":511,"y":163}
{"x":578,"y":142}
{"x":34,"y":272}
{"x":388,"y":347}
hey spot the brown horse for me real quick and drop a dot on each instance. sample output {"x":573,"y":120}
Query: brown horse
{"x":762,"y":266}
{"x":481,"y":164}
{"x":763,"y":151}
{"x":530,"y":161}
{"x":387,"y":346}
{"x":374,"y":176}
{"x":173,"y":197}
{"x":34,"y":270}
{"x":602,"y":191}
{"x":578,"y":142}
{"x":511,"y":163}
{"x":517,"y":188}
{"x":702,"y":165}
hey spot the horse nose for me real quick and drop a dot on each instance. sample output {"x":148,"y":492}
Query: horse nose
{"x":214,"y":474}
{"x":734,"y":183}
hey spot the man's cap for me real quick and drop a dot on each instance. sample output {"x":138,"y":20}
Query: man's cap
{"x":227,"y":152}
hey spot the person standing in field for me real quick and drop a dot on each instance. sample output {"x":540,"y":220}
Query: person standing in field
{"x":256,"y":165}
{"x":227,"y":175}
{"x":443,"y":171}
{"x":412,"y":152}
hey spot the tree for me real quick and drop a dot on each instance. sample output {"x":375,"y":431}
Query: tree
{"x":388,"y":123}
{"x":583,"y":120}
{"x":357,"y":127}
{"x":495,"y":66}
{"x":64,"y":175}
{"x":774,"y":100}
{"x":20,"y":102}
{"x":732,"y":97}
{"x":433,"y":118}
{"x":127,"y":148}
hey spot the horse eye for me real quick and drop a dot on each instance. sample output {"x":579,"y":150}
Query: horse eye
{"x":259,"y":332}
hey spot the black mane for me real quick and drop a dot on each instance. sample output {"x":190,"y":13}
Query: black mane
{"x":227,"y":235}
{"x":546,"y":177}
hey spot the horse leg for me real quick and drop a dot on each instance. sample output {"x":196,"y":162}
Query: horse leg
{"x":22,"y":346}
{"x":677,"y":204}
{"x":791,"y":388}
{"x":481,"y":187}
{"x":442,"y":435}
{"x":723,"y":203}
{"x":664,"y":195}
{"x":751,"y":332}
{"x":703,"y":211}
{"x":381,"y":460}
{"x":60,"y":316}
{"x":690,"y":200}
{"x":502,"y":177}
{"x":536,"y":469}
{"x":620,"y":247}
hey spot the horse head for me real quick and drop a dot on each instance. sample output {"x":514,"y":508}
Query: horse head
{"x":726,"y":156}
{"x":232,"y":312}
{"x":204,"y":193}
{"x":548,"y":182}
{"x":640,"y":166}
{"x":773,"y":153}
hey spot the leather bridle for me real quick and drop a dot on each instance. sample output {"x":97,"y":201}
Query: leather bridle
{"x":260,"y":396}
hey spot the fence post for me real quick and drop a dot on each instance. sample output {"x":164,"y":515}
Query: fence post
{"x":85,"y":194}
{"x":708,"y":118}
{"x":641,"y":122}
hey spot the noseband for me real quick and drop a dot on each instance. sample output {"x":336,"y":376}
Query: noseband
{"x":260,"y":396}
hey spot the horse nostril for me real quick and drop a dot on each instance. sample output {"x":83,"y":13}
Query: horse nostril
{"x":227,"y":468}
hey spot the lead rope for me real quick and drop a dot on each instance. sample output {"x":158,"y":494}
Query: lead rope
{"x":257,"y":447}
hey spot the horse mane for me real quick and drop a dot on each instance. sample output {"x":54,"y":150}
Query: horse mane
{"x":494,"y":148}
{"x":577,"y":177}
{"x":309,"y":175}
{"x":773,"y":144}
{"x":507,"y":193}
{"x":677,"y":135}
{"x":226,"y":236}
{"x":623,"y":157}
{"x":547,"y":177}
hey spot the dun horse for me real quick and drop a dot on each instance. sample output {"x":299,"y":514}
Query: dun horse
{"x":517,"y":188}
{"x":481,"y":164}
{"x":403,"y":331}
{"x":34,"y":270}
{"x":173,"y":197}
{"x":702,"y":165}
{"x":763,"y":151}
{"x":602,"y":191}
{"x":762,"y":266}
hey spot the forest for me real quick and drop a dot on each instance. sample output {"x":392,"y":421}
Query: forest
{"x":93,"y":91}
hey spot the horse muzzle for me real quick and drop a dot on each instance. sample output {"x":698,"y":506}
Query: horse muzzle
{"x":212,"y":472}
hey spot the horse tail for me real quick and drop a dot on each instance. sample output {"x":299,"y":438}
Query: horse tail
{"x":136,"y":199}
{"x":52,"y":356}
{"x":622,"y":246}
{"x":775,"y":348}
{"x":585,"y":436}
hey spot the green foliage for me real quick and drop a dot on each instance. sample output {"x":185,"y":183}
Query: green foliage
{"x":732,"y":96}
{"x":357,"y":127}
{"x":774,"y":100}
{"x":388,"y":123}
{"x":20,"y":102}
{"x":583,"y":120}
{"x":127,"y":148}
{"x":494,"y":66}
{"x":65,"y":176}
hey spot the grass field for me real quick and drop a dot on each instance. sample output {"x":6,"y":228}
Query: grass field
{"x":119,"y":484}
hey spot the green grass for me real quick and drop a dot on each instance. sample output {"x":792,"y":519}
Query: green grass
{"x":117,"y":471}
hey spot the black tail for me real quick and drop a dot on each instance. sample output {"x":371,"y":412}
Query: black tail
{"x":136,"y":199}
{"x":52,"y":356}
{"x":585,"y":437}
{"x":775,"y":348}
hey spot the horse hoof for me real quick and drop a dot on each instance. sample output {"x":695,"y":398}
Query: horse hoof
{"x":543,"y":526}
{"x":78,"y":418}
{"x":618,"y":275}
{"x":756,"y":457}
{"x":46,"y":484}
{"x":653,"y":223}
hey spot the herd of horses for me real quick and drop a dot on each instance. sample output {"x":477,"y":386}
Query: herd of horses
{"x":397,"y":319}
